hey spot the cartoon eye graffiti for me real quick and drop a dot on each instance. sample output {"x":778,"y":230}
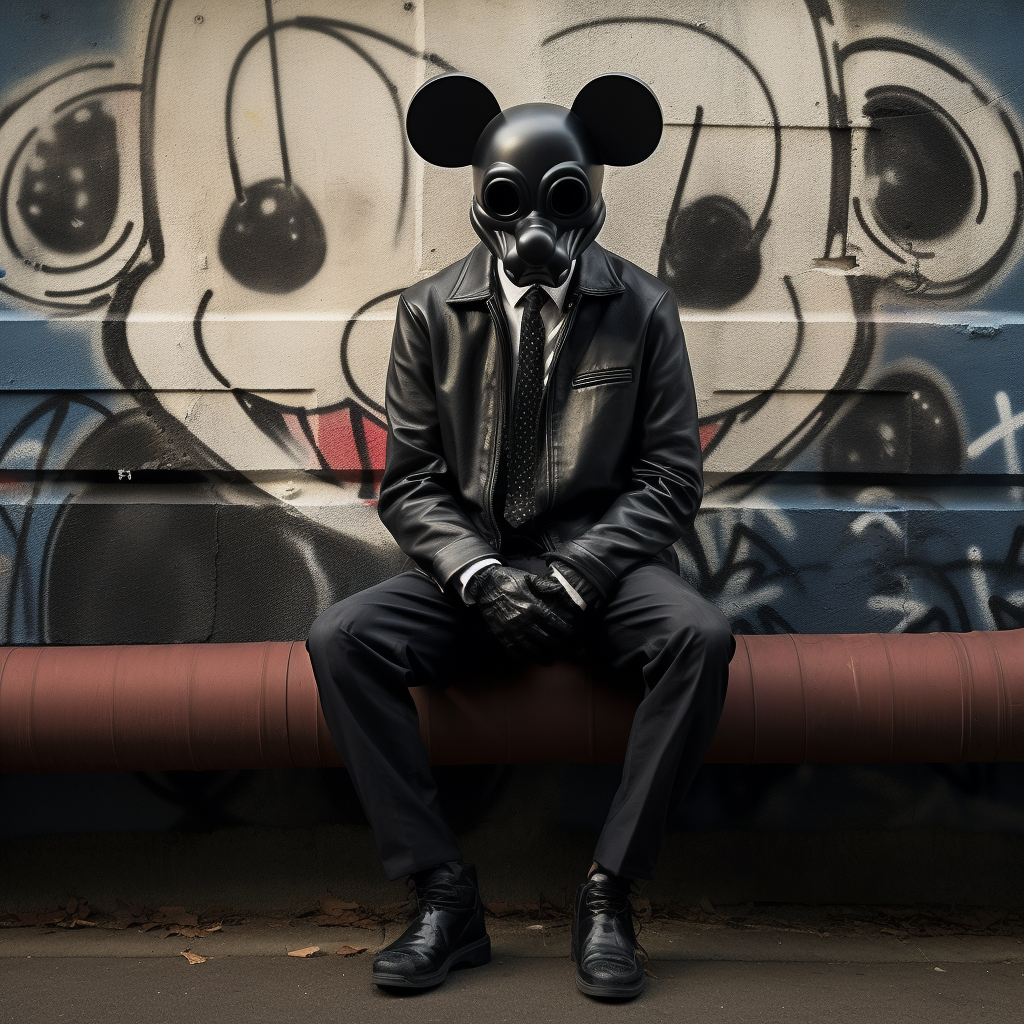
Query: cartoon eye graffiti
{"x":917,"y":163}
{"x":81,"y":153}
{"x":908,"y":421}
{"x":711,"y":256}
{"x":71,"y":222}
{"x":937,"y":196}
{"x":273,"y":240}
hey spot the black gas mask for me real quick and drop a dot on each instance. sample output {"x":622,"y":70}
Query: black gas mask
{"x":538,"y":167}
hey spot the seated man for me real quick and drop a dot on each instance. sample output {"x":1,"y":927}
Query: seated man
{"x":543,"y":458}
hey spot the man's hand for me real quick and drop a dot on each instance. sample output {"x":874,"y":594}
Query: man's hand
{"x":518,"y":609}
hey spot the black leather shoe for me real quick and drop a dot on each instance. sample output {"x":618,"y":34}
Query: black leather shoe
{"x":448,"y":931}
{"x":609,"y":960}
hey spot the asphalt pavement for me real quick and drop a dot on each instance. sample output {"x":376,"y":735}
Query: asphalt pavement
{"x":701,"y":973}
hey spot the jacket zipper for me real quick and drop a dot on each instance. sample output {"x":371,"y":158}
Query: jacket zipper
{"x":501,"y":328}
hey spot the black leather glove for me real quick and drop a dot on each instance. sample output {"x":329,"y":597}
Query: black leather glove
{"x":521,"y":616}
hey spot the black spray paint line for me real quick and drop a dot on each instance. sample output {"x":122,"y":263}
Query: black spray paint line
{"x":761,"y":225}
{"x":745,"y":411}
{"x":151,"y":227}
{"x":874,"y":238}
{"x":336,"y":30}
{"x":840,"y":136}
{"x":197,"y":333}
{"x":98,"y":90}
{"x":129,"y":263}
{"x":268,"y":416}
{"x":57,"y":407}
{"x":403,"y":196}
{"x":684,"y":175}
{"x":343,"y":353}
{"x":94,"y":262}
{"x":862,"y":293}
{"x":12,"y":108}
{"x":367,"y":485}
{"x":286,"y":167}
{"x":307,"y":433}
{"x":58,"y":308}
{"x":18,"y":573}
{"x":891,"y":45}
{"x":118,"y":357}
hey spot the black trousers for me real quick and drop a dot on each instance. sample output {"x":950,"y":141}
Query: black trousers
{"x":370,"y":648}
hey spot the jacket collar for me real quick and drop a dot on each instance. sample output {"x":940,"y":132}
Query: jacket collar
{"x":595,"y":275}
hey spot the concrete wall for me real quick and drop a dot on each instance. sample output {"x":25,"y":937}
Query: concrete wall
{"x":191,"y":428}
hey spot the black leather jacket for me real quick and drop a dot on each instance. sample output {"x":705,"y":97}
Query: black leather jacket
{"x":621,"y":475}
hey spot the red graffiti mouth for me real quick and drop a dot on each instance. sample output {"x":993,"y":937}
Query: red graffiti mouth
{"x":707,"y":433}
{"x":345,"y":439}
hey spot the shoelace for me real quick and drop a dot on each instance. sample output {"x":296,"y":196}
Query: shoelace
{"x":608,"y":898}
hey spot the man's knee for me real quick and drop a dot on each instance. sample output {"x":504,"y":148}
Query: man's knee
{"x":704,"y":627}
{"x":335,"y":626}
{"x":716,"y":632}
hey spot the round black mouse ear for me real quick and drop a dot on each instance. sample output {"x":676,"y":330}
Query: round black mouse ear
{"x":622,"y":115}
{"x":447,"y":116}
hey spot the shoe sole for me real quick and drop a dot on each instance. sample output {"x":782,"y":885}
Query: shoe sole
{"x":606,"y":991}
{"x":476,"y":954}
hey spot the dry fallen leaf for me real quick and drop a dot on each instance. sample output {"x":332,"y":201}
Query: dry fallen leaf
{"x":175,"y":915}
{"x":193,"y":958}
{"x":305,"y":952}
{"x":347,"y":950}
{"x":333,"y":906}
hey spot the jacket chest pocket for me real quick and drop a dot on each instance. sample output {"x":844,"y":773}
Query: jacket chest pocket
{"x":595,"y":378}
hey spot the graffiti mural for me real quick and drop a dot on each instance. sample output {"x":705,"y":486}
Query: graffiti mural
{"x":204,"y":225}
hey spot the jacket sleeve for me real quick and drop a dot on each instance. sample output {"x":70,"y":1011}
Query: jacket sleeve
{"x":667,"y":476}
{"x":417,"y":494}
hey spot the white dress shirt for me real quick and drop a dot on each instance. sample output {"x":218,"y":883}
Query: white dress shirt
{"x":553,"y":315}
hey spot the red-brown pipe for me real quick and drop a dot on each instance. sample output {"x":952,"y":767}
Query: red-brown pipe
{"x":792,"y":699}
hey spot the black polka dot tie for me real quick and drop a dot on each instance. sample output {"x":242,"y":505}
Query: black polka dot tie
{"x":520,"y":504}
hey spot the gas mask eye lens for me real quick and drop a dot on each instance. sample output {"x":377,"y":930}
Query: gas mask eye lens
{"x":568,"y":198}
{"x":501,"y":197}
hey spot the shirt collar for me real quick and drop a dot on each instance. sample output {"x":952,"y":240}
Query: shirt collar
{"x":514,"y":294}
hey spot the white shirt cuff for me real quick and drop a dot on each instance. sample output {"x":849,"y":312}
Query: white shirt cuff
{"x":467,"y":574}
